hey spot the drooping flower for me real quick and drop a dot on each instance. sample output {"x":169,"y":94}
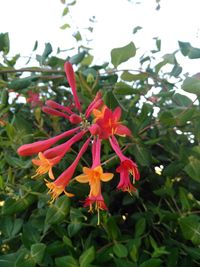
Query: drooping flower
{"x":94,"y":176}
{"x":126,"y":167}
{"x":53,"y":156}
{"x":108,"y":123}
{"x":58,"y":186}
{"x":40,"y":146}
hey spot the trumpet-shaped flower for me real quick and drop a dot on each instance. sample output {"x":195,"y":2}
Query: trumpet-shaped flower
{"x":127,"y":166}
{"x":71,"y":79}
{"x":40,"y":146}
{"x":108,"y":124}
{"x":53,"y":156}
{"x":58,"y":186}
{"x":94,"y":176}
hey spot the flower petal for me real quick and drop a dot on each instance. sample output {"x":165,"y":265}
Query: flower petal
{"x":105,"y":177}
{"x":122,"y":130}
{"x":82,"y":178}
{"x":117,"y":113}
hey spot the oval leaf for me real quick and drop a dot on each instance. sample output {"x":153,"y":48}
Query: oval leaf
{"x":122,"y":54}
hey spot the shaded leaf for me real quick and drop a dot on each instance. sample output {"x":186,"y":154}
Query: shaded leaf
{"x":122,"y":54}
{"x":188,"y":50}
{"x":87,"y":257}
{"x":66,"y":261}
{"x":120,"y":250}
{"x":58,"y":211}
{"x":190,"y":227}
{"x":191,"y":85}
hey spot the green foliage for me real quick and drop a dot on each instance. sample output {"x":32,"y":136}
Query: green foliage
{"x":159,"y":225}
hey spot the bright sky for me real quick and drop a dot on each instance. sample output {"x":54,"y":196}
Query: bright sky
{"x":31,"y":20}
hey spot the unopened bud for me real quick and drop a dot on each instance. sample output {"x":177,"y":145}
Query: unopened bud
{"x":75,"y":119}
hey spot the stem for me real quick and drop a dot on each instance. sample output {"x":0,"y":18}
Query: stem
{"x":31,"y":69}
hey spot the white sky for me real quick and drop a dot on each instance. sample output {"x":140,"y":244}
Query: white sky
{"x":31,"y":20}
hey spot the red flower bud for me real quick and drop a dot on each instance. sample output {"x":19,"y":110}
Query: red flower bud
{"x":75,"y":119}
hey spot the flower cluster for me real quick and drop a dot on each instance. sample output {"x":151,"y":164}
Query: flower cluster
{"x":105,"y":125}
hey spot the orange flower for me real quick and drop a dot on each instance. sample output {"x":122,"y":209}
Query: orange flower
{"x":107,"y":123}
{"x":58,"y":186}
{"x":94,"y":176}
{"x":45,"y":165}
{"x":126,"y":167}
{"x":53,"y":156}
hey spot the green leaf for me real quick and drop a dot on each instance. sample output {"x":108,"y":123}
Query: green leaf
{"x":122,"y":54}
{"x":65,"y":11}
{"x":193,"y":252}
{"x":188,"y":50}
{"x":74,"y":227}
{"x":8,"y":260}
{"x":66,"y":261}
{"x":129,"y":77}
{"x":140,"y":227}
{"x":77,"y":36}
{"x":30,"y":235}
{"x":57,"y":212}
{"x":183,"y":196}
{"x":76,"y":59}
{"x":181,"y":100}
{"x":6,"y":226}
{"x":87,"y":257}
{"x":65,"y":26}
{"x":136,"y":29}
{"x":47,"y":51}
{"x":142,"y":155}
{"x":25,"y":260}
{"x":151,"y":263}
{"x":4,"y":43}
{"x":190,"y":227}
{"x":193,"y":169}
{"x":17,"y":84}
{"x":111,"y":100}
{"x":35,"y":46}
{"x":37,"y":252}
{"x":191,"y":85}
{"x":120,"y":250}
{"x":123,"y":263}
{"x":112,"y":229}
{"x":124,"y":89}
{"x":12,"y":206}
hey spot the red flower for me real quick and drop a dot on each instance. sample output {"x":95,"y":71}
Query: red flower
{"x":71,"y":79}
{"x":58,"y":186}
{"x":40,"y":146}
{"x":34,"y":99}
{"x":108,"y":123}
{"x":94,"y":176}
{"x":53,"y":156}
{"x":126,"y":167}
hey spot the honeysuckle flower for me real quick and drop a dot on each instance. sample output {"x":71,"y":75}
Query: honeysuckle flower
{"x":94,"y":105}
{"x":94,"y":176}
{"x":108,"y":123}
{"x":58,"y":186}
{"x":40,"y":146}
{"x":54,"y":155}
{"x":34,"y":99}
{"x":126,"y":167}
{"x":105,"y":124}
{"x":71,"y":80}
